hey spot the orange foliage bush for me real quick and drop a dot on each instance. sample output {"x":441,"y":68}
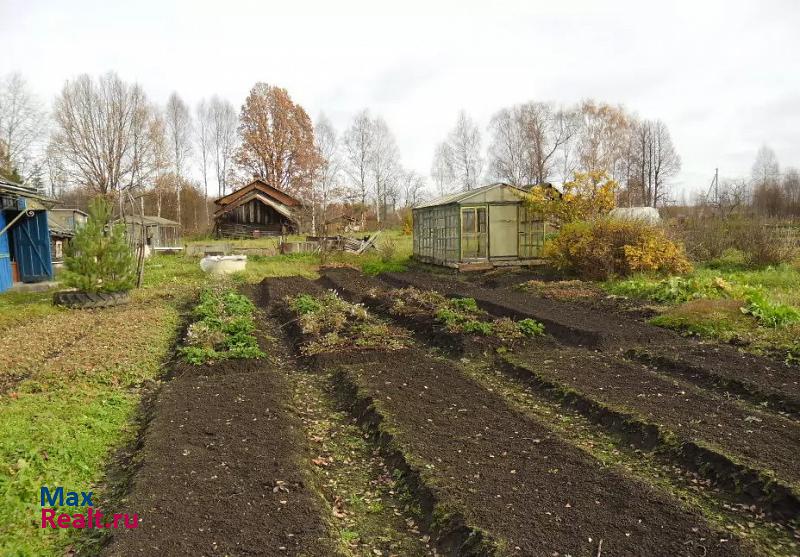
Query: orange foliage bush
{"x":606,"y":247}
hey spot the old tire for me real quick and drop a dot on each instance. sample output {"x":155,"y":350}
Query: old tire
{"x":89,"y":300}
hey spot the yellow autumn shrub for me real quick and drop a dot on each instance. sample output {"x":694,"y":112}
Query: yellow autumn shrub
{"x":588,"y":195}
{"x":606,"y":247}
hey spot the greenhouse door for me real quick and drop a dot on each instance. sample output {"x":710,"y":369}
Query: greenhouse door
{"x":473,"y":233}
{"x":531,"y":234}
{"x":32,"y":248}
{"x":503,"y":231}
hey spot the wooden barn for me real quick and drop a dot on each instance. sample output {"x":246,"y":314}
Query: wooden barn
{"x":24,"y":236}
{"x":478,"y":229}
{"x":256,"y":209}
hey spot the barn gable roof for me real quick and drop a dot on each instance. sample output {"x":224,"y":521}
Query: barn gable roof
{"x":233,"y":199}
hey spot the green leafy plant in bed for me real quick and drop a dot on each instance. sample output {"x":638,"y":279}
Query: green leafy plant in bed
{"x":225,"y":328}
{"x":767,"y":312}
{"x":460,"y":315}
{"x":331,"y":323}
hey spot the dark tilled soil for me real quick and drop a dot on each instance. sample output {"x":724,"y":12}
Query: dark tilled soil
{"x":727,"y":369}
{"x":762,"y":439}
{"x":714,"y":366}
{"x":221,"y":472}
{"x":512,"y":477}
{"x":376,"y":295}
{"x":571,"y":324}
{"x":754,"y":439}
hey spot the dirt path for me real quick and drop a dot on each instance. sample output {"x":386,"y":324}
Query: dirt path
{"x":509,"y":475}
{"x":222,"y":471}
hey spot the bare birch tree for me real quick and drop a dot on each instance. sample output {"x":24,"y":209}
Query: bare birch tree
{"x":384,"y":166}
{"x":179,"y":132}
{"x":203,"y":137}
{"x":325,"y":187}
{"x":23,"y":124}
{"x":413,"y":188}
{"x":223,"y":139}
{"x":507,"y":148}
{"x":656,"y":160}
{"x":604,"y":136}
{"x":358,"y":146}
{"x":162,"y":157}
{"x":442,"y":169}
{"x":464,"y":141}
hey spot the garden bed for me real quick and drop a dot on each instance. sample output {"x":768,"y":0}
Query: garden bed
{"x":456,"y":325}
{"x":493,"y":481}
{"x":569,"y":323}
{"x":743,"y":449}
{"x":223,"y":454}
{"x":509,"y":476}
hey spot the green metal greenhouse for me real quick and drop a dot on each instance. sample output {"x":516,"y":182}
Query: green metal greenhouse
{"x":480,"y":228}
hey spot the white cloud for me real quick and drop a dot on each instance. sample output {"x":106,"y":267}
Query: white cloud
{"x":724,"y":75}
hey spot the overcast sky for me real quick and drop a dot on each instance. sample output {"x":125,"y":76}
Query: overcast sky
{"x":723,"y":75}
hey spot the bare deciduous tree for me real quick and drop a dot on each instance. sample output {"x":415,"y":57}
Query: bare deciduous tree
{"x":413,"y":188}
{"x":203,"y":137}
{"x":766,"y":170}
{"x":655,"y":159}
{"x":527,"y":141}
{"x":179,"y":132}
{"x":507,"y":148}
{"x":23,"y":124}
{"x":326,"y":185}
{"x":224,"y":138}
{"x":464,"y":142}
{"x":101,"y":133}
{"x":604,"y":137}
{"x":442,"y":169}
{"x":384,"y":166}
{"x":359,"y":144}
{"x":277,"y":140}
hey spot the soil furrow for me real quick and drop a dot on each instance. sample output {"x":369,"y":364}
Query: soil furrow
{"x":769,"y":384}
{"x":367,"y":507}
{"x":744,"y":450}
{"x":222,"y":470}
{"x":510,"y":475}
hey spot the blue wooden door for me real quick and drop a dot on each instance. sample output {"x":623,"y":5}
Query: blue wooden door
{"x":5,"y":256}
{"x":32,"y":248}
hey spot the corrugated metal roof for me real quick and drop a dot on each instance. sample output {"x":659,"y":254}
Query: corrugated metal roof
{"x":150,"y":220}
{"x":462,"y":195}
{"x":13,"y":187}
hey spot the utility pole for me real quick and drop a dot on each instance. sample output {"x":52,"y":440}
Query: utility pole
{"x":716,"y":186}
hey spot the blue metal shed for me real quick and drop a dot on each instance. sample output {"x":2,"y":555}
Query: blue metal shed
{"x":24,"y":236}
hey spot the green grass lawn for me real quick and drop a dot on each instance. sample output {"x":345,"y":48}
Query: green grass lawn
{"x":75,"y":378}
{"x":758,"y":308}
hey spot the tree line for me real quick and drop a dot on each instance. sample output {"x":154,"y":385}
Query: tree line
{"x":104,"y":136}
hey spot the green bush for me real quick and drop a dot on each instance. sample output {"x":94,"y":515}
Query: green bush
{"x":98,"y":259}
{"x":607,"y":247}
